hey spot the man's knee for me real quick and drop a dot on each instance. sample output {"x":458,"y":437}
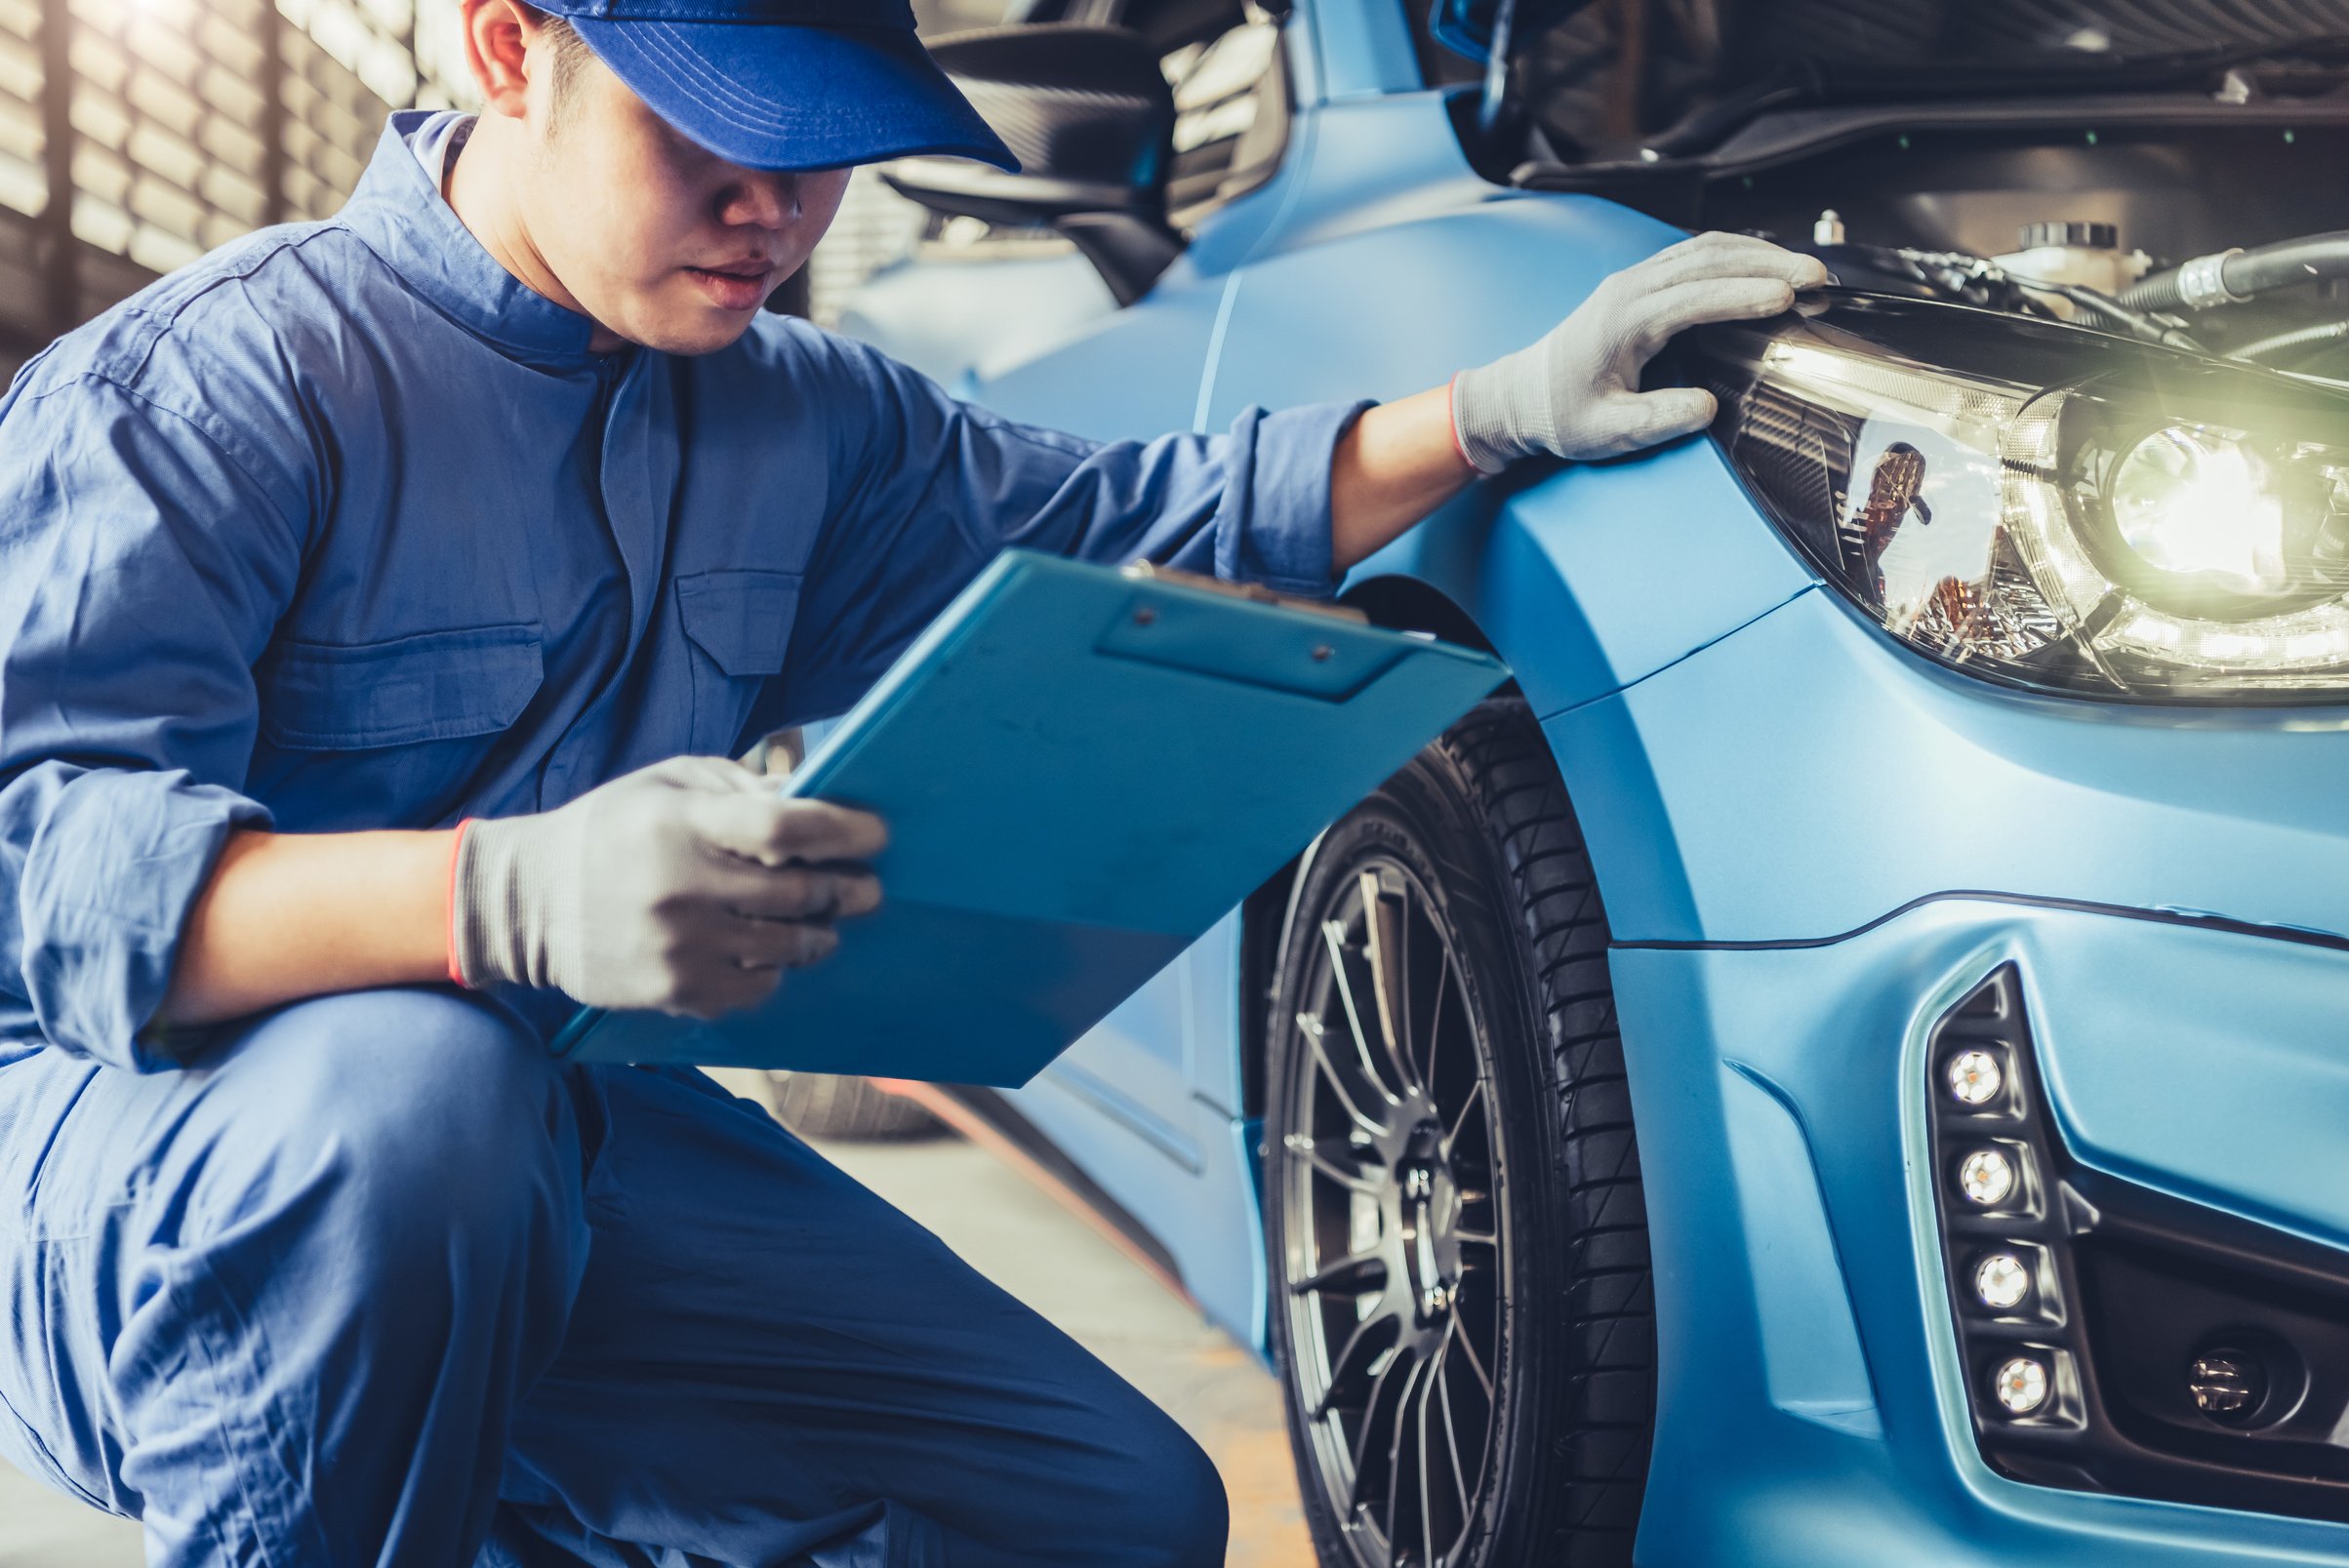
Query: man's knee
{"x":417,"y":1113}
{"x":1172,"y":1512}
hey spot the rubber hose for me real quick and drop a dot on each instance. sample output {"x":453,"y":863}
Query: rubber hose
{"x":2237,"y":275}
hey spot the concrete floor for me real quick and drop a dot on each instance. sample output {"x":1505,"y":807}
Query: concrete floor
{"x":1032,"y":1247}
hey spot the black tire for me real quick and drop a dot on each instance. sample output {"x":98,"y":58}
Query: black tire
{"x":817,"y":1105}
{"x":1513,"y":1215}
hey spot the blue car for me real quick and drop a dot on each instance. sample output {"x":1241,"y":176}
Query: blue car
{"x":1845,"y":1060}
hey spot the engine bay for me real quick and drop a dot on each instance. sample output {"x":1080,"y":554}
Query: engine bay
{"x":2182,"y":220}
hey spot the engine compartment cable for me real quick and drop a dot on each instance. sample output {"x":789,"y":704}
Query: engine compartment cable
{"x":2283,"y":343}
{"x":2136,"y":323}
{"x":1951,"y":272}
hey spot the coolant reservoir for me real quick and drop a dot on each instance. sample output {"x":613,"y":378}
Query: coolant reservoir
{"x":2089,"y":254}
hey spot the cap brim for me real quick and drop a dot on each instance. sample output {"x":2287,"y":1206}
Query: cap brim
{"x":771,"y":96}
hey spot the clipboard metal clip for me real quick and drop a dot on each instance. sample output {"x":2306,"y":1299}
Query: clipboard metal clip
{"x":1254,"y":592}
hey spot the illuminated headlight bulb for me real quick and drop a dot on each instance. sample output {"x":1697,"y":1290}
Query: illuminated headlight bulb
{"x":1974,"y":1077}
{"x":1986,"y":1177}
{"x":2021,"y":1386}
{"x":2002,"y":1281}
{"x":2191,"y":499}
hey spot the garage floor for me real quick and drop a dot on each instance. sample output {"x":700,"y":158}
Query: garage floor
{"x":1034,"y":1249}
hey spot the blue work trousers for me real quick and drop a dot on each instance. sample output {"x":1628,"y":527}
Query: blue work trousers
{"x":379,"y":1283}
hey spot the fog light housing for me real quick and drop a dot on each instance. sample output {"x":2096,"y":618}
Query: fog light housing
{"x":2115,"y":1338}
{"x":2227,"y":1384}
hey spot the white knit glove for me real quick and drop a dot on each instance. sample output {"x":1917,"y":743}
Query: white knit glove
{"x":1576,"y":393}
{"x":685,"y":887}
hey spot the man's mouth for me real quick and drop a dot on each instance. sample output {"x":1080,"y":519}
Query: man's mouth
{"x":736,"y":285}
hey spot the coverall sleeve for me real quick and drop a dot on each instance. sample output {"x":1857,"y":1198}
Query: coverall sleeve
{"x":927,"y":488}
{"x":142,"y":570}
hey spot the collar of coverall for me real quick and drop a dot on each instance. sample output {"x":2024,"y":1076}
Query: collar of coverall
{"x":399,"y":212}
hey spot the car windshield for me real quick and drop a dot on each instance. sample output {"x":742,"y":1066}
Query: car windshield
{"x":1607,"y":75}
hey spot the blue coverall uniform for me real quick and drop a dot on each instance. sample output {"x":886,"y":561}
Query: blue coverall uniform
{"x":343,"y":528}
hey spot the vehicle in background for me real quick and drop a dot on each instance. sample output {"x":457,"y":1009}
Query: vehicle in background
{"x":1842,"y":1062}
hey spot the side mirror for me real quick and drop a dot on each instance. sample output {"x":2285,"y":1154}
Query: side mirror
{"x":1088,"y":113}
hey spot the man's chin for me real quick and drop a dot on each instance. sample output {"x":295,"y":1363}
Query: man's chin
{"x":701,"y":330}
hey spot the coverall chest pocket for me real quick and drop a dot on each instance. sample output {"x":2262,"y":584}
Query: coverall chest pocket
{"x":739,"y":623}
{"x":401,"y":724}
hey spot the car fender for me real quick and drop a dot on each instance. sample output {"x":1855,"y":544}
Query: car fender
{"x":1397,"y":268}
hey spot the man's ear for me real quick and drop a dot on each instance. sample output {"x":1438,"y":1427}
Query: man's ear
{"x":498,"y":34}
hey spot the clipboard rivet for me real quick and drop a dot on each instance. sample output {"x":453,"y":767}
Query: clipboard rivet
{"x":1144,"y":616}
{"x":1322,"y":651}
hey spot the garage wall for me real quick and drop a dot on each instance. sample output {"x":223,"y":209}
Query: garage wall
{"x":169,"y":127}
{"x":135,"y":135}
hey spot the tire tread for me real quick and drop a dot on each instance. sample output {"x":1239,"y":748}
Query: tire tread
{"x":1606,"y":1313}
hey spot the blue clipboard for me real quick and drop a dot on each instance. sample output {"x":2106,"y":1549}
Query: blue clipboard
{"x":1082,"y":770}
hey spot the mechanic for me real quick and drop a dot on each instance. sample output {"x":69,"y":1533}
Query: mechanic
{"x":497,"y":501}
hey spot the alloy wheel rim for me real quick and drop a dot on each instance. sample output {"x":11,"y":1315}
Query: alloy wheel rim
{"x":1395,"y":1268}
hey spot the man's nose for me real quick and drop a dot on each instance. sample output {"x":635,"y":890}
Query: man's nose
{"x":762,"y":200}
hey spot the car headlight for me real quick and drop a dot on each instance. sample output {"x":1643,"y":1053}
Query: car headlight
{"x":2051,"y":506}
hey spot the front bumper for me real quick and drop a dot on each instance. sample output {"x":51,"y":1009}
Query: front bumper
{"x":1813,"y":1404}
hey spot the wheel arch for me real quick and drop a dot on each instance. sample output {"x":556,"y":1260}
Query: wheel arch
{"x":1587,"y":581}
{"x":1480,"y":577}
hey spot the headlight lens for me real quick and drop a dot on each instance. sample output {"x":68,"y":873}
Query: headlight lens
{"x":2050,"y":506}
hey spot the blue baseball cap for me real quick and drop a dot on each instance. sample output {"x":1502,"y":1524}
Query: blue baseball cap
{"x":786,"y":84}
